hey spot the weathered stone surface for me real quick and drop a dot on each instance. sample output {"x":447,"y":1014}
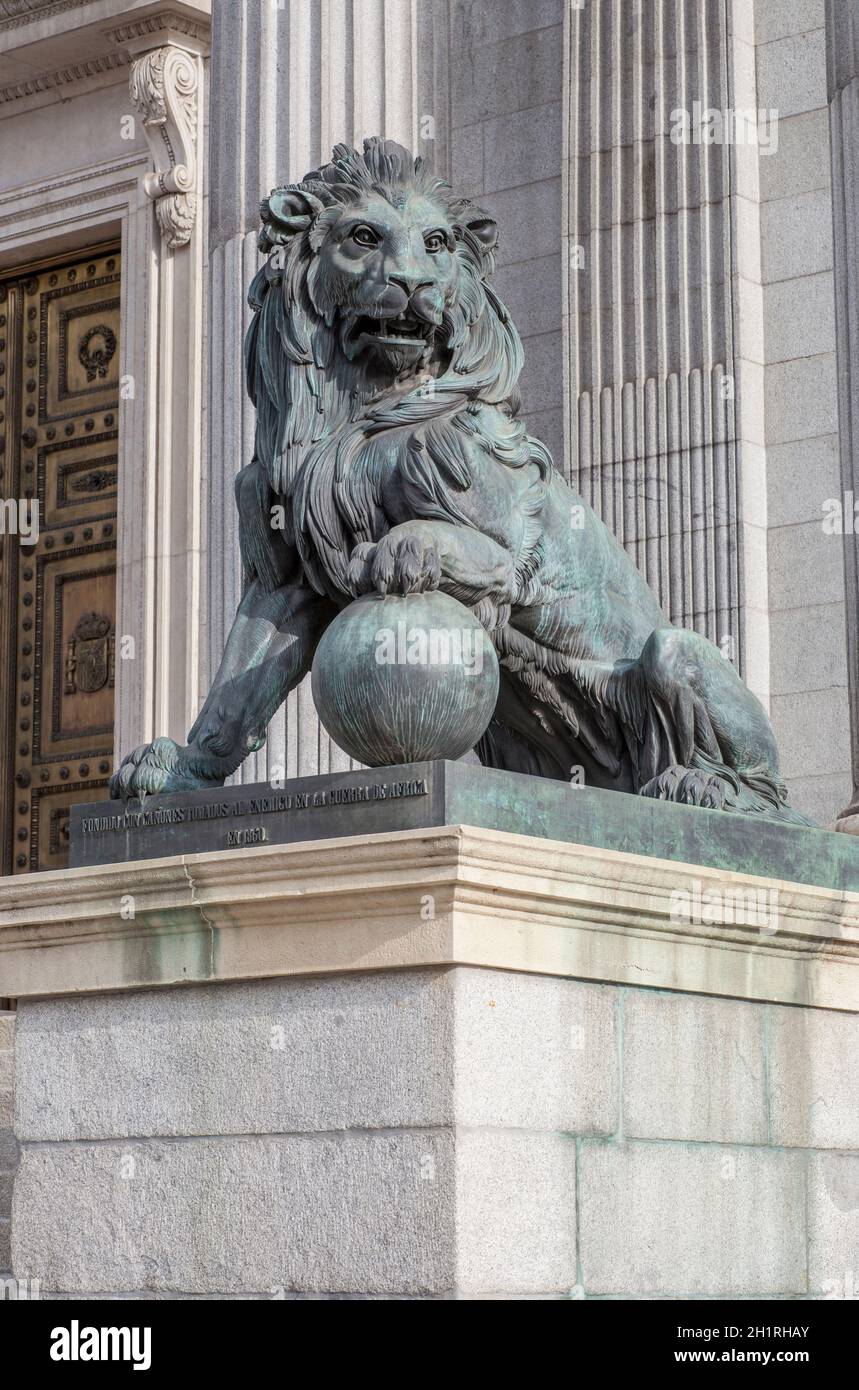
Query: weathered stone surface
{"x":792,"y":73}
{"x":812,"y":745}
{"x":342,"y":1213}
{"x":805,"y":565}
{"x":535,"y":1052}
{"x":808,"y":648}
{"x":786,"y":248}
{"x":7,"y":1078}
{"x":833,"y":1225}
{"x":693,"y":1068}
{"x":776,"y":19}
{"x":8,"y":1143}
{"x":521,"y":148}
{"x":365,"y":1051}
{"x":515,"y":1212}
{"x":664,"y":1219}
{"x":797,"y":166}
{"x":8,"y":1149}
{"x":814,"y":1078}
{"x":800,"y":317}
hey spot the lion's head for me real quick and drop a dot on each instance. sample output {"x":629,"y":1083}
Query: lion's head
{"x":383,"y":239}
{"x":376,"y":281}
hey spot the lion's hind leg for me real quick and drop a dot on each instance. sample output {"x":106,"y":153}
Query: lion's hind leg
{"x":705,"y":739}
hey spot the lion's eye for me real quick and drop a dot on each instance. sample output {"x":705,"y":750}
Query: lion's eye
{"x":365,"y":236}
{"x":435,"y":242}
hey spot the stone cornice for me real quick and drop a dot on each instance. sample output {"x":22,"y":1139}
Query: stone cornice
{"x":455,"y":895}
{"x":60,"y":77}
{"x":128,"y":37}
{"x":155,"y":29}
{"x":14,"y":13}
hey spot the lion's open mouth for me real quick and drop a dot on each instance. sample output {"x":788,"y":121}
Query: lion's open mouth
{"x":406,"y":331}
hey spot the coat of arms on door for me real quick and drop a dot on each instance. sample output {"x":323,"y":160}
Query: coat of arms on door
{"x":90,"y":655}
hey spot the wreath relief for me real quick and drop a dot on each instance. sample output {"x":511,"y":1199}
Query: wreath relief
{"x":96,"y":360}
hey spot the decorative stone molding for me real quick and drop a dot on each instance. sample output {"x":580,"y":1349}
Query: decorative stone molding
{"x":163,"y":87}
{"x":164,"y":23}
{"x":16,"y":12}
{"x":77,"y":72}
{"x":500,"y":901}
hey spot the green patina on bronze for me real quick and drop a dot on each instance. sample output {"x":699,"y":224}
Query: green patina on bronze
{"x":390,"y":459}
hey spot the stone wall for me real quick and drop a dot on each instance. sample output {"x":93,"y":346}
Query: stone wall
{"x":788,"y":420}
{"x":436,"y":1133}
{"x":8,"y":1144}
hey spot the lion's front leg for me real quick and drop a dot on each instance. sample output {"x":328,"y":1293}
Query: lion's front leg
{"x":269,"y":650}
{"x":420,"y":555}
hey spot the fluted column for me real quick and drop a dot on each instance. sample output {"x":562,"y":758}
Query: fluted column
{"x":842,"y":36}
{"x":289,"y":79}
{"x":649,"y":372}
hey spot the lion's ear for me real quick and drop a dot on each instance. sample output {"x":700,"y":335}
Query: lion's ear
{"x":286,"y":212}
{"x":479,"y":232}
{"x":478,"y":224}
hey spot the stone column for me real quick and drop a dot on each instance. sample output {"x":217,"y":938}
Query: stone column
{"x":842,"y":39}
{"x":649,"y":371}
{"x":290,"y":78}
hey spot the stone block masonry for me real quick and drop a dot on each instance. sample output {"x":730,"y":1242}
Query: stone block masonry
{"x":448,"y":1132}
{"x":548,"y":1091}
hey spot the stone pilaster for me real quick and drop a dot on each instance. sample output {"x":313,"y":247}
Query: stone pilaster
{"x":289,"y":80}
{"x":842,"y":37}
{"x":159,"y":577}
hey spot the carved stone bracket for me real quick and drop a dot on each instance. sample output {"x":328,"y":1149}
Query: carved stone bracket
{"x":163,"y":87}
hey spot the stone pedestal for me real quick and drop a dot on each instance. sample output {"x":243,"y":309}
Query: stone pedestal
{"x":439,"y":1063}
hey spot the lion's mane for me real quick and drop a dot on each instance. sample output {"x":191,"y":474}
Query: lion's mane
{"x":324,"y":434}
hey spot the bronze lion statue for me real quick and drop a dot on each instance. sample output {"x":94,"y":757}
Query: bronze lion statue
{"x":390,"y":457}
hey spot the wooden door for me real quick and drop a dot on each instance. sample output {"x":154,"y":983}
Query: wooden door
{"x":59,"y":397}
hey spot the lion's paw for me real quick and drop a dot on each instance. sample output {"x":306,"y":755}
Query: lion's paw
{"x":399,"y":564}
{"x":160,"y":766}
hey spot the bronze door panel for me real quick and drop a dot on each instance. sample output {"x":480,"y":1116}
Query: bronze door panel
{"x":59,"y":374}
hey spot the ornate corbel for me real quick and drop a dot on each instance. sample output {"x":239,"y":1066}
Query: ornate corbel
{"x":163,"y":87}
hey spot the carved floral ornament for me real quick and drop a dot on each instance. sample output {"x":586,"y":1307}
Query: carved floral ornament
{"x":163,"y":87}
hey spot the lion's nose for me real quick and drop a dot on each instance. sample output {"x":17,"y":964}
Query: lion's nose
{"x":410,"y":284}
